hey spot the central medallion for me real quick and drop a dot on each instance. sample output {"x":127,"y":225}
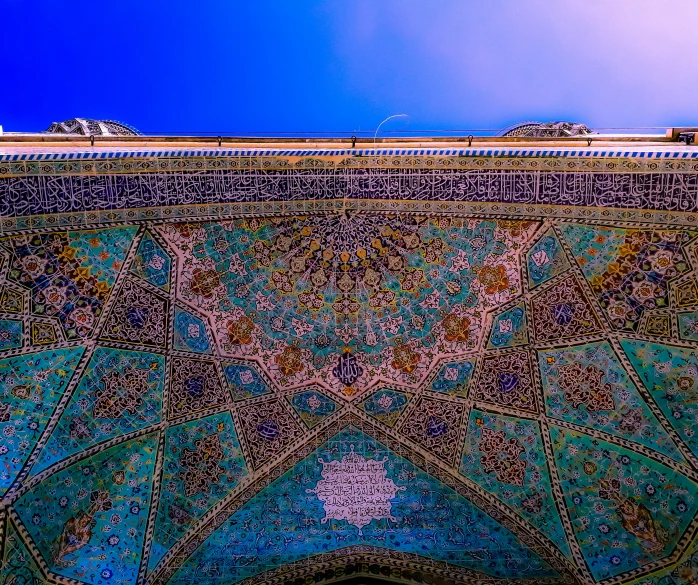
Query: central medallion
{"x":342,"y":253}
{"x":292,"y":293}
{"x":356,"y":489}
{"x":347,"y":370}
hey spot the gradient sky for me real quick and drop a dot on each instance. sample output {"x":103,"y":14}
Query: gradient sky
{"x":242,"y":66}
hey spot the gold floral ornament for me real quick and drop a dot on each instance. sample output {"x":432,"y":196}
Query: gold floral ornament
{"x":405,"y":358}
{"x":515,"y":227}
{"x":590,"y":467}
{"x":77,"y":531}
{"x":634,"y":516}
{"x":493,"y":278}
{"x":204,"y":282}
{"x":290,"y":361}
{"x":240,"y":330}
{"x":186,"y":229}
{"x":456,"y":328}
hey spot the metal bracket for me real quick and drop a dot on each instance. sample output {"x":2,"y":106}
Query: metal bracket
{"x":687,"y":137}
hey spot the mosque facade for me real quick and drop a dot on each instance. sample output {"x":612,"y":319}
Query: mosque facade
{"x":272,"y":362}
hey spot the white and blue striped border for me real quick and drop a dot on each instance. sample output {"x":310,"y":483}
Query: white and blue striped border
{"x":471,"y":152}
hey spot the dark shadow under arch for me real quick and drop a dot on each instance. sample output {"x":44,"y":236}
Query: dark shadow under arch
{"x":365,"y":580}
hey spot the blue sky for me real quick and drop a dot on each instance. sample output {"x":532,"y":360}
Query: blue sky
{"x":242,"y":66}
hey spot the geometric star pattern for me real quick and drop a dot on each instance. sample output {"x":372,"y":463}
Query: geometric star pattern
{"x":242,"y":397}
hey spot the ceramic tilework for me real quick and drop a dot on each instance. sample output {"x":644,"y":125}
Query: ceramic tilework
{"x":88,"y":520}
{"x":18,"y":566}
{"x":509,"y":328}
{"x":11,"y":332}
{"x":520,"y":387}
{"x":453,"y":378}
{"x":505,"y":456}
{"x":296,"y":526}
{"x":312,"y":406}
{"x":203,"y":462}
{"x":587,"y":385}
{"x":32,"y":384}
{"x":152,"y":263}
{"x":244,"y":380}
{"x":688,"y":326}
{"x":190,"y":333}
{"x":110,"y":185}
{"x":392,"y":293}
{"x":70,"y":274}
{"x":119,"y":392}
{"x":545,"y":259}
{"x":669,"y":374}
{"x":625,"y":509}
{"x":386,"y":405}
{"x":685,"y":570}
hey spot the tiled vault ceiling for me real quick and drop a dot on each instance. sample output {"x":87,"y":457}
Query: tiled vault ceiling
{"x":291,"y":384}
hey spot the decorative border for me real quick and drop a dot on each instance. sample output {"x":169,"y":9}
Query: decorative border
{"x":215,"y":212}
{"x":283,"y":156}
{"x":368,"y":560}
{"x":44,"y":190}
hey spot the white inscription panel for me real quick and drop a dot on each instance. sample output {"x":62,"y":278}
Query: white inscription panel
{"x":356,"y":489}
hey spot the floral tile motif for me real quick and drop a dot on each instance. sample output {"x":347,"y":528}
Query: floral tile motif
{"x":11,"y":333}
{"x":505,"y":456}
{"x":11,"y":301}
{"x":509,"y":328}
{"x":203,"y":463}
{"x":685,"y":292}
{"x":626,"y":510}
{"x":70,"y":274}
{"x":98,"y":504}
{"x":152,"y":263}
{"x":506,"y":380}
{"x":679,"y":573}
{"x":138,"y":316}
{"x":268,"y":428}
{"x":435,"y":426}
{"x":422,"y":518}
{"x":453,"y":378}
{"x":17,"y":564}
{"x":688,"y":326}
{"x":386,"y":405}
{"x":278,"y":322}
{"x":119,"y":392}
{"x":43,"y":333}
{"x":562,"y":311}
{"x":545,"y":259}
{"x":194,"y":386}
{"x":31,"y":386}
{"x":628,"y":269}
{"x":190,"y":333}
{"x":312,"y":406}
{"x":244,"y":381}
{"x":670,"y":375}
{"x":588,"y":386}
{"x":348,"y":300}
{"x":656,"y":325}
